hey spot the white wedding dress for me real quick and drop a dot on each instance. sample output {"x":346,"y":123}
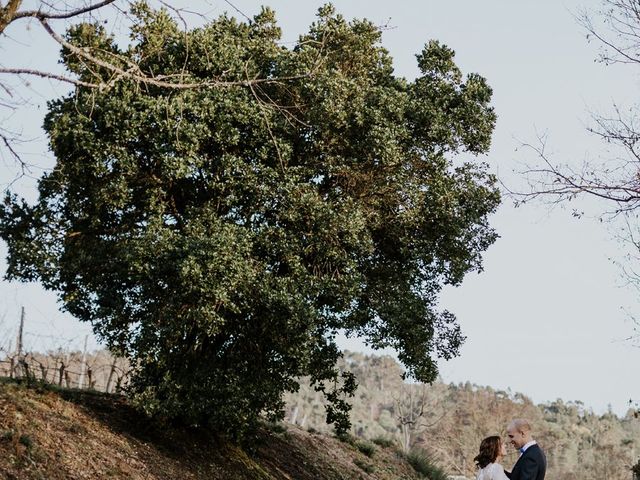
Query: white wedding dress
{"x":493,"y":471}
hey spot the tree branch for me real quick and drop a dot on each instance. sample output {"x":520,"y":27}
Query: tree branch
{"x":40,"y":73}
{"x":161,"y":83}
{"x":39,"y":14}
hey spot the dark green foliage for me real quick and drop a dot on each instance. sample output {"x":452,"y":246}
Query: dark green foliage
{"x":26,"y":440}
{"x":426,"y":466}
{"x":23,"y":439}
{"x":220,"y":237}
{"x":337,"y":407}
{"x":346,"y":438}
{"x":636,"y":471}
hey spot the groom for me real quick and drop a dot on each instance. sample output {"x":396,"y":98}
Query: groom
{"x":532,"y":464}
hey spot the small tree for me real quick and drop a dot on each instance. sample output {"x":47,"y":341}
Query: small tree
{"x":415,"y":412}
{"x":220,"y":237}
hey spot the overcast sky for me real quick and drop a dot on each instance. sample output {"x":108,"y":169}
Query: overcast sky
{"x":548,"y":317}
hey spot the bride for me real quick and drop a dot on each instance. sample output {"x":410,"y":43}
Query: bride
{"x":492,"y":449}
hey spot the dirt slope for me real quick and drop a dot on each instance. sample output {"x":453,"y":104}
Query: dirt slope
{"x":83,"y":435}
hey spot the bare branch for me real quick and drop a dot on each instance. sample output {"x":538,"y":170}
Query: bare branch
{"x":39,"y":14}
{"x":54,"y":76}
{"x":561,"y":182}
{"x":9,"y":146}
{"x":239,"y":11}
{"x":617,"y":31}
{"x":6,"y":89}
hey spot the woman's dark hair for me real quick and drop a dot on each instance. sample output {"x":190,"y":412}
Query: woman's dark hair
{"x":489,"y":451}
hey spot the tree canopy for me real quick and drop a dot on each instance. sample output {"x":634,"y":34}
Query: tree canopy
{"x":221,"y":236}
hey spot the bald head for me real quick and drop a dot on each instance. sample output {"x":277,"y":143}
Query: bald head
{"x":519,"y":432}
{"x":520,"y":424}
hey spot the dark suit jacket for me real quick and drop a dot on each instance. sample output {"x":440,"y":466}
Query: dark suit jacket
{"x":532,"y":465}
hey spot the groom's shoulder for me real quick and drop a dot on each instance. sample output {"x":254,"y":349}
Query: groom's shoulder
{"x":535,"y":448}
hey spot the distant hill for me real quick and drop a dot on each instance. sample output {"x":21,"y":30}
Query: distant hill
{"x":71,"y":434}
{"x":579,"y":444}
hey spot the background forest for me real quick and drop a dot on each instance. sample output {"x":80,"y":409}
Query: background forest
{"x":449,"y":421}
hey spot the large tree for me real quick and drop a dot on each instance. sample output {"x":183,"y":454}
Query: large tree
{"x":221,"y":237}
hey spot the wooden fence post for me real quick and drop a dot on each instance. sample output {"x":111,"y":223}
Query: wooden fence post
{"x":25,"y":368}
{"x":83,"y":365}
{"x":61,"y":373}
{"x":18,"y":365}
{"x":111,"y":372}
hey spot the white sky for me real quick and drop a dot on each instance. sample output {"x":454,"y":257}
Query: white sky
{"x":547,"y":316}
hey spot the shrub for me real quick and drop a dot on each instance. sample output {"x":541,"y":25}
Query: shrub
{"x":425,"y":465}
{"x":346,"y":438}
{"x":275,"y":427}
{"x":26,"y":440}
{"x":367,"y":467}
{"x":367,"y":448}
{"x":383,"y":442}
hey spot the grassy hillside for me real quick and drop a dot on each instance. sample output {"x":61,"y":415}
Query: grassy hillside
{"x":69,"y":434}
{"x":73,"y":434}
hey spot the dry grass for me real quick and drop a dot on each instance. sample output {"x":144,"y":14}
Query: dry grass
{"x":68,"y":434}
